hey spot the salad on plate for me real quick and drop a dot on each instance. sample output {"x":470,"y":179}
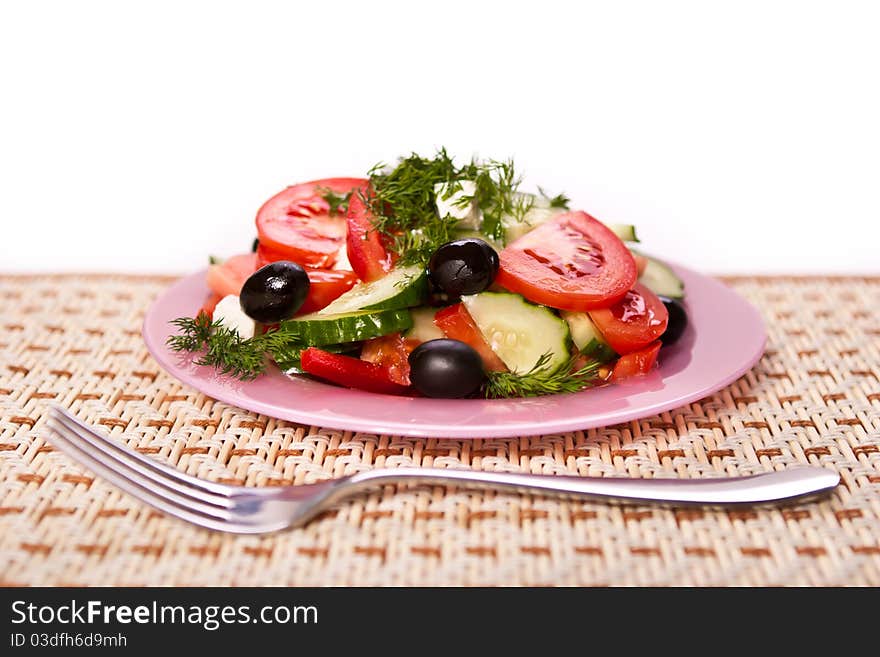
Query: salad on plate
{"x":430,"y":278}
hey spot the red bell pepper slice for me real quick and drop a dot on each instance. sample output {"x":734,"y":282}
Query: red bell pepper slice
{"x":350,"y":372}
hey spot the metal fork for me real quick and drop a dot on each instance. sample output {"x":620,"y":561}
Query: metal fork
{"x":248,"y":510}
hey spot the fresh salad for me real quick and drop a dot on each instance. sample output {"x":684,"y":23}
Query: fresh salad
{"x":430,"y":278}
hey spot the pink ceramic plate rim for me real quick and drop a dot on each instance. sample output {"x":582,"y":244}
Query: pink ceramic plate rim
{"x":724,"y":339}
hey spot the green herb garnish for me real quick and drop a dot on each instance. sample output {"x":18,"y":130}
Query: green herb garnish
{"x":537,"y":381}
{"x":224,"y":349}
{"x":403,"y":201}
{"x":497,"y":196}
{"x":560,"y":201}
{"x":403,"y":205}
{"x":338,"y":202}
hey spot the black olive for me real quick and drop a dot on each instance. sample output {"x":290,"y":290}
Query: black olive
{"x":438,"y":298}
{"x":465,"y":266}
{"x":274,"y":292}
{"x":677,"y":321}
{"x":446,"y":368}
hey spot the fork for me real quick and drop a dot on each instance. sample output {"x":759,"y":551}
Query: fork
{"x":249,"y":510}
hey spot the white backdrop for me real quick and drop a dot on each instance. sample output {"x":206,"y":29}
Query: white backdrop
{"x":738,"y":138}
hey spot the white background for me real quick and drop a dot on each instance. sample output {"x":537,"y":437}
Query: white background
{"x":738,"y":137}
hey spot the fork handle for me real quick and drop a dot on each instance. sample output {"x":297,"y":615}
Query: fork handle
{"x":785,"y":485}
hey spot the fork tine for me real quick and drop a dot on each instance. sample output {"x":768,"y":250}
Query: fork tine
{"x":121,"y":457}
{"x":168,"y":472}
{"x":69,"y":443}
{"x":120,"y":474}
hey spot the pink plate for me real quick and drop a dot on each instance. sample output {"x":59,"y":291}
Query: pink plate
{"x":724,"y":339}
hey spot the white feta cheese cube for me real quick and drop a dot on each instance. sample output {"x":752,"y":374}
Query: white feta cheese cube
{"x":468,"y":215}
{"x":229,"y":313}
{"x":342,"y":259}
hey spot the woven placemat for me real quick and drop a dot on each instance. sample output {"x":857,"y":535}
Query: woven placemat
{"x":813,"y":398}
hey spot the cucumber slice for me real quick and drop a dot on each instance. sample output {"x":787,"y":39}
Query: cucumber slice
{"x":318,"y":329}
{"x":518,"y":331}
{"x":626,"y":232}
{"x":400,"y":288}
{"x":660,"y":279}
{"x":537,"y":215}
{"x":424,"y":328}
{"x":586,"y":336}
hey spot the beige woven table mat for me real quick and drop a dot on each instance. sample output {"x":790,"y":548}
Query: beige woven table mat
{"x":813,"y":398}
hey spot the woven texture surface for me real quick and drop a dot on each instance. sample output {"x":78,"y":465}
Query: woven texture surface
{"x":813,"y":398}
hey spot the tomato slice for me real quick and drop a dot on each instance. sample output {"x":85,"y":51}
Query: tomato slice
{"x":325,"y":284}
{"x":457,"y":324}
{"x":266,"y":255}
{"x":228,"y":277}
{"x":392,"y":353}
{"x":349,"y":372}
{"x":210,"y":303}
{"x":296,"y":222}
{"x":632,"y":323}
{"x":572,"y":262}
{"x":636,"y":363}
{"x":364,"y":245}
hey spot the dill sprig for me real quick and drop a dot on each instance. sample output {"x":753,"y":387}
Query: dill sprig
{"x":224,"y":349}
{"x":537,"y":381}
{"x":403,"y":201}
{"x":497,"y":196}
{"x":560,"y":201}
{"x":338,"y":202}
{"x":403,"y":205}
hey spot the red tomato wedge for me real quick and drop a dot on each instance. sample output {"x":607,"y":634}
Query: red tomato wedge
{"x":325,"y":285}
{"x":367,"y":254}
{"x":296,"y":222}
{"x":211,"y":302}
{"x":457,"y":324}
{"x":572,"y":262}
{"x":228,"y":277}
{"x":392,"y":353}
{"x":632,"y":323}
{"x":350,"y":372}
{"x":636,"y":363}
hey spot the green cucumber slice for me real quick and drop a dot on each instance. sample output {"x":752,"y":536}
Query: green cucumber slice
{"x":540,"y":213}
{"x":518,"y":331}
{"x":626,"y":232}
{"x":537,"y":215}
{"x":660,"y":279}
{"x":586,"y":336}
{"x":400,"y":288}
{"x":318,"y":329}
{"x":424,"y":328}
